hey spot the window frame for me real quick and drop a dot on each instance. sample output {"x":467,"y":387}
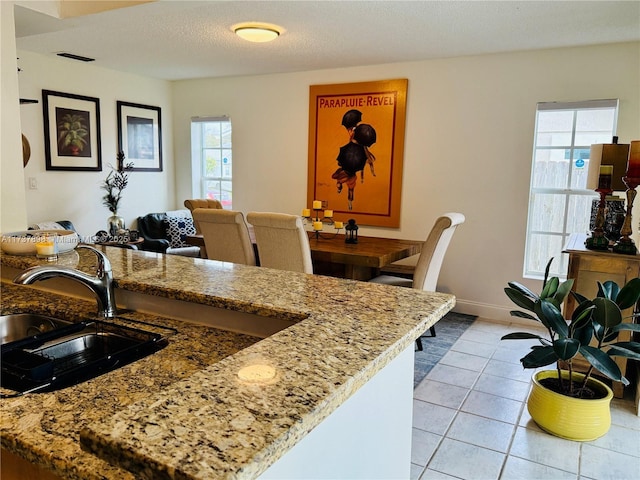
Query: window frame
{"x":568,"y":191}
{"x":199,"y":177}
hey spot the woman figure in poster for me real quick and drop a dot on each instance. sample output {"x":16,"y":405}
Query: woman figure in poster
{"x":354,"y":155}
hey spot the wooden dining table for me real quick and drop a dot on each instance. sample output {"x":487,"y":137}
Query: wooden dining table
{"x":360,"y":261}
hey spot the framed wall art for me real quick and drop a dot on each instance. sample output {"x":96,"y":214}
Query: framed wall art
{"x":71,"y":131}
{"x":356,"y":148}
{"x":140,"y":136}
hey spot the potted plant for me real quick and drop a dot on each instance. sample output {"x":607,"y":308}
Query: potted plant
{"x":115,"y":183}
{"x":564,"y":402}
{"x":71,"y":133}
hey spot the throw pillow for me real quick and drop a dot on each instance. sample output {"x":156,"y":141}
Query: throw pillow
{"x":179,"y":224}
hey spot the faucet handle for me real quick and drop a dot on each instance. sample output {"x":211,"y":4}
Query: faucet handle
{"x":104,"y":265}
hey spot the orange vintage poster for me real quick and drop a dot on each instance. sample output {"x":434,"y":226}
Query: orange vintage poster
{"x":356,"y":147}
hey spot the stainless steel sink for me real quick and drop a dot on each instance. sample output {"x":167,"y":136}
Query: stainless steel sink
{"x":21,"y":325}
{"x":73,"y":353}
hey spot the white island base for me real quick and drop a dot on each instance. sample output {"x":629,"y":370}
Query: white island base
{"x":367,"y":437}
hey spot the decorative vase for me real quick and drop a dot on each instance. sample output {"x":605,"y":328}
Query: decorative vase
{"x":578,"y":419}
{"x":115,"y":223}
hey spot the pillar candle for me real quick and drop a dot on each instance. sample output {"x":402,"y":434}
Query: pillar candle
{"x":317,"y":226}
{"x":317,"y":205}
{"x":338,"y":224}
{"x":306,"y":212}
{"x":47,"y":246}
{"x":604,"y":181}
{"x":328,"y":213}
{"x":633,"y":165}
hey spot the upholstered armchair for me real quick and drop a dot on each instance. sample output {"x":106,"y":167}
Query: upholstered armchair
{"x":165,"y":233}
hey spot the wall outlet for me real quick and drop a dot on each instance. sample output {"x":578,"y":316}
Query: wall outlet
{"x":33,"y":183}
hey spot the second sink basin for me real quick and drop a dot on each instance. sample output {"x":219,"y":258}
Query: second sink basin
{"x":73,"y":353}
{"x":21,"y":325}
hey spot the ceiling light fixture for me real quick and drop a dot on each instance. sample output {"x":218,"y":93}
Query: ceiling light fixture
{"x":259,"y":33}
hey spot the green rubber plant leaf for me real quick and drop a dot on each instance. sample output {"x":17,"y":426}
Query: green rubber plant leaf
{"x":608,"y":290}
{"x":524,"y":290}
{"x":584,"y":334}
{"x":598,"y":331}
{"x":629,"y":294}
{"x":517,"y":297}
{"x":521,"y":314}
{"x":604,"y":363}
{"x":537,"y":308}
{"x":578,"y":297}
{"x":546,"y":272}
{"x":521,"y":336}
{"x":539,"y":357}
{"x":625,"y":349}
{"x":566,"y":348}
{"x":563,"y":290}
{"x":581,"y":315}
{"x":611,"y":336}
{"x":550,"y":288}
{"x":554,"y":318}
{"x":607,"y":312}
{"x":634,"y":327}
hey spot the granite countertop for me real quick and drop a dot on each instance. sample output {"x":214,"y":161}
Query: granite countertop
{"x":203,"y":421}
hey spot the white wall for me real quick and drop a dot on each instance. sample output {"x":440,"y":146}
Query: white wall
{"x":12,"y":203}
{"x":468,"y":146}
{"x":76,"y":196}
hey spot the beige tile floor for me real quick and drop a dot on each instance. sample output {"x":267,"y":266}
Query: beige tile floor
{"x":470,"y":421}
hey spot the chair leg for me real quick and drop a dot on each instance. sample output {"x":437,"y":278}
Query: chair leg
{"x":432,"y":333}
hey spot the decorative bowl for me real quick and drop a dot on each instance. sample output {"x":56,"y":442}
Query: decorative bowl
{"x":24,"y":243}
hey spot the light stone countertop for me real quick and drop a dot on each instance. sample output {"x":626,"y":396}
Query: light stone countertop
{"x":202,"y":421}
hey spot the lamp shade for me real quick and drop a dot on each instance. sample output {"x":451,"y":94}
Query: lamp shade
{"x":608,"y":154}
{"x":633,"y":167}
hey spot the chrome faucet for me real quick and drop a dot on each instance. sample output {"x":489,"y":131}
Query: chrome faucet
{"x":101,"y":284}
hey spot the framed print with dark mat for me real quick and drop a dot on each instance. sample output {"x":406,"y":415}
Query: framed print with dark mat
{"x":140,"y":136}
{"x":71,"y":131}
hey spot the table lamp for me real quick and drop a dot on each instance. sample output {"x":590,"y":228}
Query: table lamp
{"x":599,"y":179}
{"x":631,"y":179}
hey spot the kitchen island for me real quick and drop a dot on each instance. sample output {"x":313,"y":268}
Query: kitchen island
{"x":188,"y":411}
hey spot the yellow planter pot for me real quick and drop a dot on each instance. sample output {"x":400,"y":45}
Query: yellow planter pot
{"x":566,"y":417}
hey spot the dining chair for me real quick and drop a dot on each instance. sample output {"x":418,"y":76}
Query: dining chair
{"x":425,"y":276}
{"x":225,"y":234}
{"x":282,"y":241}
{"x":193,"y":203}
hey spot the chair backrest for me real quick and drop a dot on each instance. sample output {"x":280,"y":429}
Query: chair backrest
{"x":433,"y":250}
{"x":193,"y":203}
{"x":282,"y":241}
{"x":225,"y":234}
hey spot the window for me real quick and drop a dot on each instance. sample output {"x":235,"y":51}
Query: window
{"x":559,"y":203}
{"x":211,"y":159}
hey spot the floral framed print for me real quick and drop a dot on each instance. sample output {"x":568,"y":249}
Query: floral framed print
{"x":356,"y":149}
{"x":71,"y":131}
{"x":140,"y":136}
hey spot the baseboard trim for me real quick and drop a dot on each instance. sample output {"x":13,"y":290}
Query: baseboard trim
{"x":495,"y":313}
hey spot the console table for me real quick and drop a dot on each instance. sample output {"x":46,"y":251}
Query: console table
{"x":587,"y":267}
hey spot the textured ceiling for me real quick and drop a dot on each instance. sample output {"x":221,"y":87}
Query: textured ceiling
{"x":180,"y":39}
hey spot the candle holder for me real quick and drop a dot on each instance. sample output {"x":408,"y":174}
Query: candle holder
{"x":598,"y":240}
{"x":317,"y":222}
{"x":625,"y":244}
{"x":352,"y":231}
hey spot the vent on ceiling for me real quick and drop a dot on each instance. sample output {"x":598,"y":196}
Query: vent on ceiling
{"x":73,"y":56}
